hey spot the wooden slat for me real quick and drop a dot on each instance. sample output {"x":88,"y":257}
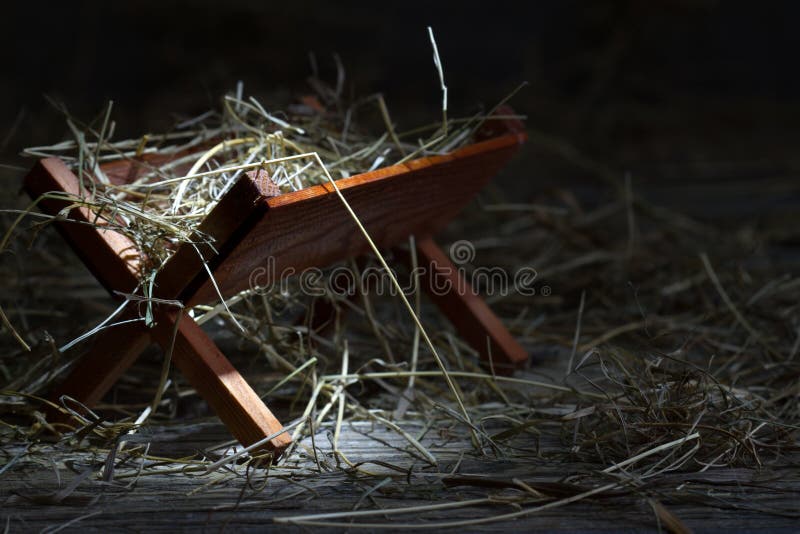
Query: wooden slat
{"x":232,"y":218}
{"x":114,"y":260}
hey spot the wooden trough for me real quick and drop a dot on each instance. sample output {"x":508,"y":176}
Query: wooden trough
{"x":251,"y":226}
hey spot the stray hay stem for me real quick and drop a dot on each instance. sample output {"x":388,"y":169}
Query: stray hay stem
{"x":732,"y":307}
{"x":384,"y":511}
{"x":290,"y":376}
{"x":654,"y":450}
{"x":316,"y":520}
{"x":389,"y":126}
{"x":417,"y":306}
{"x":438,"y":62}
{"x":167,"y":363}
{"x":408,"y":437}
{"x":577,"y":337}
{"x":222,"y":170}
{"x":340,"y":414}
{"x":13,"y":331}
{"x":260,"y":443}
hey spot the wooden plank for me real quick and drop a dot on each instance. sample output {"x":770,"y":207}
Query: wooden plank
{"x":217,"y":381}
{"x":310,"y":227}
{"x":114,"y":260}
{"x":466,"y":310}
{"x":31,"y":491}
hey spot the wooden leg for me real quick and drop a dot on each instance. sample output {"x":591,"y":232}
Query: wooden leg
{"x":113,"y":352}
{"x":465,"y":309}
{"x":218,"y":382}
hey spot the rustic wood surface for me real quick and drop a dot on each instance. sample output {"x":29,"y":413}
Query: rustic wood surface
{"x":37,"y":493}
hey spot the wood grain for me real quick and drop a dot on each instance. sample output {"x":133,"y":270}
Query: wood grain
{"x":755,"y":499}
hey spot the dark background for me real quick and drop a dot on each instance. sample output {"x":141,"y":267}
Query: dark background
{"x":698,"y":100}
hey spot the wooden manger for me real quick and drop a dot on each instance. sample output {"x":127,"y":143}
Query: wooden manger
{"x":250,"y":225}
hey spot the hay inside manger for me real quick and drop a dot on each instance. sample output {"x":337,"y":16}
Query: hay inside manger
{"x":161,"y":187}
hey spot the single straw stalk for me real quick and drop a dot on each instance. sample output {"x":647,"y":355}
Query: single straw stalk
{"x":450,"y":384}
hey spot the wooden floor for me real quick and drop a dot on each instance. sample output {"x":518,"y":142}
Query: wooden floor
{"x":50,"y":489}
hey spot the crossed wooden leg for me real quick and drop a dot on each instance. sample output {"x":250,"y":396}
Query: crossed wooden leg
{"x":196,"y":355}
{"x":114,"y":260}
{"x":113,"y":352}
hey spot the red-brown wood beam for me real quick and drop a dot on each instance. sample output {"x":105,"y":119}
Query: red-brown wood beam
{"x":472,"y":318}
